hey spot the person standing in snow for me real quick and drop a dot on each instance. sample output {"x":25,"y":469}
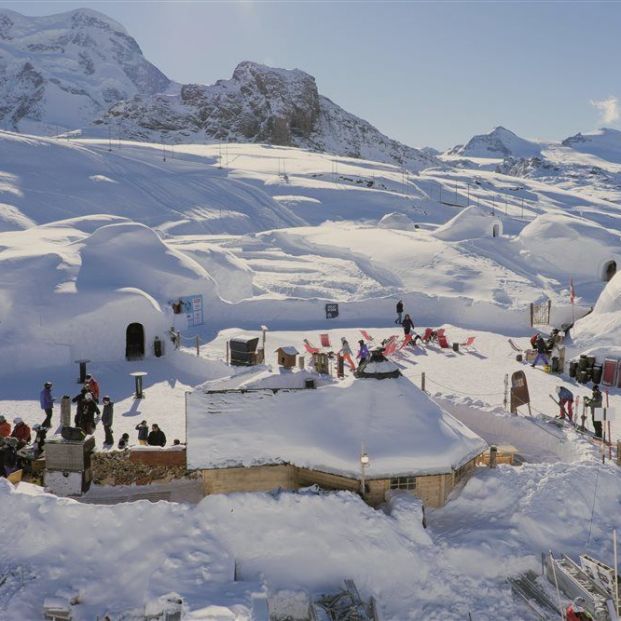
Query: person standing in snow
{"x":92,"y":386}
{"x":595,"y":401}
{"x":88,"y":414}
{"x":143,"y":432}
{"x":542,"y":353}
{"x":106,"y":419}
{"x":5,"y":427}
{"x":346,"y":353}
{"x":47,"y":404}
{"x":156,"y":437}
{"x":566,"y":402}
{"x":78,"y":419}
{"x":363,"y":353}
{"x":399,"y":312}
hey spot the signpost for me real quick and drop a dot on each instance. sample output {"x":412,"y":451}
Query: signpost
{"x":332,"y":310}
{"x":519,"y":392}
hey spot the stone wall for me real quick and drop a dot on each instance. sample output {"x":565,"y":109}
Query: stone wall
{"x":158,"y":457}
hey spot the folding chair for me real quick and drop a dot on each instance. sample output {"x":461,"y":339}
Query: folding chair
{"x":406,"y":340}
{"x":428,"y":335}
{"x":440,"y":333}
{"x":390,"y":348}
{"x":309,"y":348}
{"x":325,"y":340}
{"x":366,"y":336}
{"x":443,"y":342}
{"x":469,"y":344}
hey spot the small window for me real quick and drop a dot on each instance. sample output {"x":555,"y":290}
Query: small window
{"x":403,"y":483}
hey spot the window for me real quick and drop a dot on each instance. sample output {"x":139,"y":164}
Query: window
{"x":403,"y":483}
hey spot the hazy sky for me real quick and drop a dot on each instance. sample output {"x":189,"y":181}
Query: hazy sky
{"x":427,"y":73}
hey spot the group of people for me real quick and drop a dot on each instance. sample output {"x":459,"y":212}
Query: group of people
{"x":544,"y":347}
{"x":407,"y":323}
{"x":346,"y":353}
{"x":566,"y":403}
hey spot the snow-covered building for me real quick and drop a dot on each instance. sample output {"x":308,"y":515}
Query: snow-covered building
{"x":471,"y":223}
{"x":258,"y":440}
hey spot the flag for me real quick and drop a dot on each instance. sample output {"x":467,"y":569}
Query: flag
{"x":572,"y":291}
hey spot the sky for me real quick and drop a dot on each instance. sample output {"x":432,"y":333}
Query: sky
{"x":426,"y":73}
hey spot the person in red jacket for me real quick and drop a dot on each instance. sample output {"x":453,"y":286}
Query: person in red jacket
{"x":5,"y":427}
{"x":576,"y":612}
{"x":21,"y":432}
{"x":93,"y":387}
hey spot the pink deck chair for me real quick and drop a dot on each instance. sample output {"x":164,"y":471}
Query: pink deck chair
{"x":427,"y":335}
{"x":443,"y":342}
{"x":440,"y":333}
{"x":406,"y":341}
{"x":309,"y":348}
{"x":469,"y":344}
{"x":366,"y":336}
{"x":391,"y":347}
{"x":325,"y":340}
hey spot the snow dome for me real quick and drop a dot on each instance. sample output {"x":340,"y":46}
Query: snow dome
{"x":471,"y":223}
{"x":396,"y":220}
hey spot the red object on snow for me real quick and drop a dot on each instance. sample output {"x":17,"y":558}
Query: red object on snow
{"x":325,"y":340}
{"x":444,"y":344}
{"x":366,"y":336}
{"x":609,"y":372}
{"x":406,"y":340}
{"x":428,"y":335}
{"x":309,"y":348}
{"x":469,"y":342}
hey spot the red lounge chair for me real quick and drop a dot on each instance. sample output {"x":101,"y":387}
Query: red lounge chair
{"x":309,"y":348}
{"x":469,"y":344}
{"x":440,"y":333}
{"x":390,"y":347}
{"x":325,"y":340}
{"x":428,"y":335}
{"x":442,"y":342}
{"x":366,"y":336}
{"x":406,"y":340}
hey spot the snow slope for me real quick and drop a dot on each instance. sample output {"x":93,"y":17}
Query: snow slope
{"x":499,"y":143}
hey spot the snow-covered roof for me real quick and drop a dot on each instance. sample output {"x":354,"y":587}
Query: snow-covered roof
{"x":289,"y":350}
{"x":403,"y":431}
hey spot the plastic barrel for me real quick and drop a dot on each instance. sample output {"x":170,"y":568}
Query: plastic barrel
{"x":583,"y":363}
{"x":555,"y":364}
{"x":519,"y":358}
{"x":455,"y":346}
{"x":573,"y":368}
{"x":597,"y":374}
{"x":590,"y":361}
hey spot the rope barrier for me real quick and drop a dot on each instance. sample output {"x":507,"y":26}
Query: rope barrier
{"x":461,"y":392}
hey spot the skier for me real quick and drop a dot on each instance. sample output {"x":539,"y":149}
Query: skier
{"x":595,"y":401}
{"x":399,"y":311}
{"x":21,"y":432}
{"x":346,"y":352}
{"x":123,"y":442}
{"x":541,"y":352}
{"x":156,"y":437}
{"x":92,"y":386}
{"x":47,"y":403}
{"x":143,"y":432}
{"x":88,"y":414}
{"x":5,"y":427}
{"x":566,"y":402}
{"x":106,"y":418}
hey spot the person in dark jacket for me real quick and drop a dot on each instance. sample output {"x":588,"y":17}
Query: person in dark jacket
{"x":78,"y":419}
{"x":143,"y":432}
{"x":407,"y":324}
{"x":47,"y":403}
{"x":124,"y":441}
{"x":399,"y":311}
{"x":39,"y":441}
{"x":156,"y":436}
{"x":542,"y":352}
{"x":595,"y":401}
{"x":565,"y":401}
{"x":89,"y":410}
{"x":107,"y":417}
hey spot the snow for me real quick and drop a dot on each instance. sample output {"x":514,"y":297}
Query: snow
{"x":500,"y":142}
{"x":403,"y":432}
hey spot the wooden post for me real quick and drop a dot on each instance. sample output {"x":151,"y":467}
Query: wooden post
{"x":227,"y":353}
{"x":493,"y":455}
{"x":340,"y":366}
{"x":506,"y":398}
{"x":422,"y":381}
{"x":65,"y":411}
{"x":198,"y":345}
{"x":618,"y":452}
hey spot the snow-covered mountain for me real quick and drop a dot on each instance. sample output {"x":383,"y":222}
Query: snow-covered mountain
{"x":604,"y":143}
{"x":499,"y":143}
{"x":64,"y":70}
{"x":259,"y":104}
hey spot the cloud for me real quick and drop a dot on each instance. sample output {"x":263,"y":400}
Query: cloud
{"x":608,"y":109}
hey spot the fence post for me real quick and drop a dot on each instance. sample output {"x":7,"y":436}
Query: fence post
{"x":506,"y":399}
{"x":532,"y":311}
{"x":227,"y":353}
{"x":422,"y":381}
{"x":618,"y":452}
{"x":198,"y":345}
{"x":493,"y":454}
